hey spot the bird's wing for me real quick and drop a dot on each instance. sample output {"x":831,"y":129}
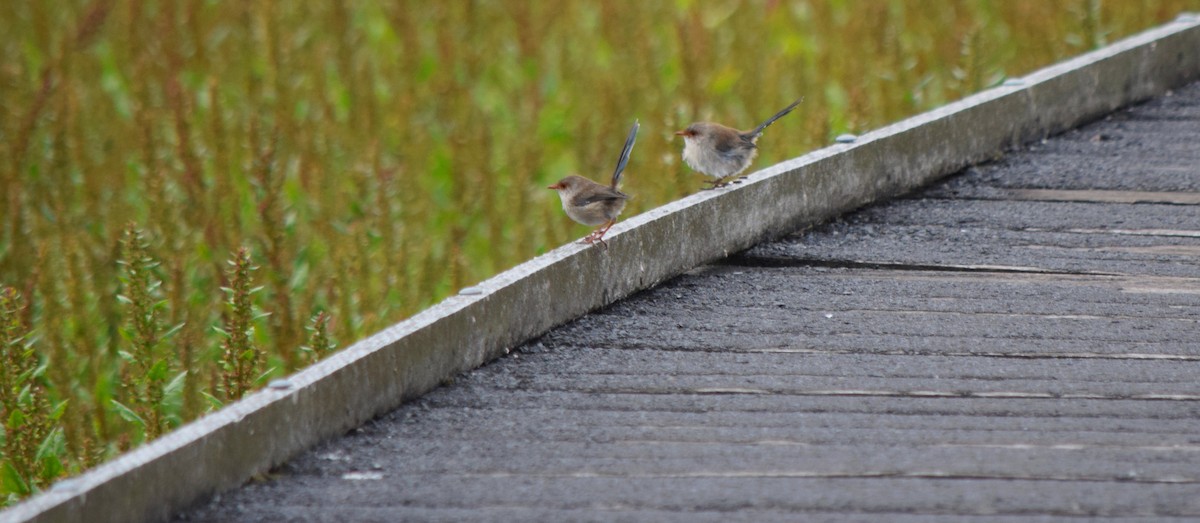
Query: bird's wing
{"x":599,"y":195}
{"x":735,"y":147}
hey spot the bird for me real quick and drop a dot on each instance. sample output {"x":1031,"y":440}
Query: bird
{"x":723,"y":152}
{"x":594,"y":204}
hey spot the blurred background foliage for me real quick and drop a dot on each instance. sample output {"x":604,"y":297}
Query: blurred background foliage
{"x":199,"y":195}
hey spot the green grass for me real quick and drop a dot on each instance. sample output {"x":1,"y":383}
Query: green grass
{"x":373,"y":157}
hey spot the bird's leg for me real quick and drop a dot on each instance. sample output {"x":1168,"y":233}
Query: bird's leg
{"x":598,"y":234}
{"x":608,"y":226}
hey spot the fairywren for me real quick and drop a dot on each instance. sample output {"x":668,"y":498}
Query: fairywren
{"x":590,"y":203}
{"x":722,"y":152}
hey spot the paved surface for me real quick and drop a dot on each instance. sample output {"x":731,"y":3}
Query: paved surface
{"x":1018,"y":343}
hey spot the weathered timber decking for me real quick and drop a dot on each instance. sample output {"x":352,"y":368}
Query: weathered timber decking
{"x":1020,"y":342}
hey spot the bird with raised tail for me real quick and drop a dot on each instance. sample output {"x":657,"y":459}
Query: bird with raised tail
{"x":723,"y":152}
{"x":593,"y":204}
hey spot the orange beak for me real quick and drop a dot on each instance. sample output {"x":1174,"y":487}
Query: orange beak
{"x":556,"y":186}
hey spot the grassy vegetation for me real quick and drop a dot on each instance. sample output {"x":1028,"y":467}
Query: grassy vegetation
{"x":198,"y":195}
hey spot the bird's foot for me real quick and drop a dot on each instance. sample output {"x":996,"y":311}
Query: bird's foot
{"x":716,"y":184}
{"x":594,"y":238}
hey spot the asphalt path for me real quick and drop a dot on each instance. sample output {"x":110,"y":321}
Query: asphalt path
{"x":1019,"y":342}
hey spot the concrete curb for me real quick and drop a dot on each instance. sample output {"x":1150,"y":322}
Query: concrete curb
{"x":379,"y":373}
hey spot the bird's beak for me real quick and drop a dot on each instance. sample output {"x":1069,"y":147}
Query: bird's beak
{"x":556,"y":186}
{"x":681,"y":133}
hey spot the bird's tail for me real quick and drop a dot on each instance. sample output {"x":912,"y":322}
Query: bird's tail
{"x":759,"y":130}
{"x":616,"y":178}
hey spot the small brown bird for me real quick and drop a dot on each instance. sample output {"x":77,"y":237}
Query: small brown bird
{"x":722,"y":152}
{"x":590,"y":203}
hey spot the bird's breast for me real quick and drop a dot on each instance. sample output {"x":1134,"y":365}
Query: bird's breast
{"x":703,"y":157}
{"x":693,"y":156}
